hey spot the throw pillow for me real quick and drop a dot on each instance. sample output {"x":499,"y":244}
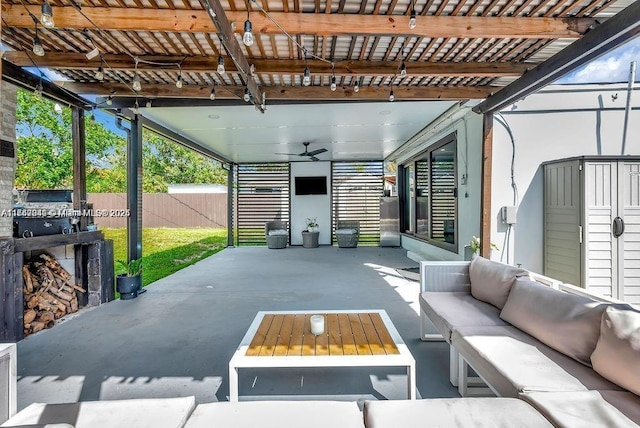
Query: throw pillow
{"x":617,"y":354}
{"x":566,"y":322}
{"x":491,"y":281}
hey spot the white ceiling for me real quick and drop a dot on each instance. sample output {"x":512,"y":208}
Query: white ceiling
{"x":362,"y":131}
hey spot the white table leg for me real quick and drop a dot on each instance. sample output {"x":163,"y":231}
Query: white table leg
{"x":411,"y":380}
{"x":233,"y":383}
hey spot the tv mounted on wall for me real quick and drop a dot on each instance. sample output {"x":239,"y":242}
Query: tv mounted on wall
{"x":311,"y":185}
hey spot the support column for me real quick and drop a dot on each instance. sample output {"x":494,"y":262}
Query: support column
{"x":230,"y":206}
{"x":485,"y":202}
{"x":78,"y":137}
{"x":134,"y":191}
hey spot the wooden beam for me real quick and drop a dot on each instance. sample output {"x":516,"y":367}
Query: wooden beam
{"x":614,"y":32}
{"x":286,"y":92}
{"x":485,"y":201}
{"x":78,"y":61}
{"x":333,"y":24}
{"x":228,"y":39}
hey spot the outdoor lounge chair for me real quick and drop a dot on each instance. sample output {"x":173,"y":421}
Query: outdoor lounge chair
{"x":348,"y":233}
{"x":277,"y":234}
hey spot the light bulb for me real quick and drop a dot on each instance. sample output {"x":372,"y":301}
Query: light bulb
{"x":403,"y":69}
{"x":179,"y":82}
{"x":246,"y":97}
{"x":37,"y":46}
{"x":247,"y":39}
{"x":221,"y":69}
{"x":306,"y":79}
{"x":38,"y":90}
{"x":412,"y":19}
{"x":148,"y":105}
{"x":109,"y":100}
{"x":58,"y":108}
{"x":93,"y":117}
{"x":356,"y":87}
{"x":212,"y":95}
{"x":47,"y":15}
{"x":100,"y":74}
{"x":136,"y":83}
{"x":333,"y":83}
{"x":136,"y":108}
{"x":391,"y":96}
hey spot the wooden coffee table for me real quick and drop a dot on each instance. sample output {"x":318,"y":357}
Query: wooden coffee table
{"x":353,"y":338}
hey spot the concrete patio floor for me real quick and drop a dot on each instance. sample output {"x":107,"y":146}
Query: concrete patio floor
{"x":177,"y":338}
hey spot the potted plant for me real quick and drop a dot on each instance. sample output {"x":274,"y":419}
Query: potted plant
{"x":474,"y":248}
{"x":129,"y":283}
{"x":310,"y":234}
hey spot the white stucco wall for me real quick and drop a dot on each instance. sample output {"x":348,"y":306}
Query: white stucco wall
{"x":469,"y":151}
{"x":310,"y":206}
{"x":555,"y":123}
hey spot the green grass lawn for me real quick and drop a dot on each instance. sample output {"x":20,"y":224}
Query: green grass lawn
{"x":165,"y":251}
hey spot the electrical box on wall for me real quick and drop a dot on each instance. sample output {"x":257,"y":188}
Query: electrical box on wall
{"x":508,"y":215}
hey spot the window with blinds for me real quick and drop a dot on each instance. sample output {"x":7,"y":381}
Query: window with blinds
{"x":262,"y":195}
{"x":356,"y":191}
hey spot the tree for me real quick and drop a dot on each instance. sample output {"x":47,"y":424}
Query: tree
{"x":45,"y":154}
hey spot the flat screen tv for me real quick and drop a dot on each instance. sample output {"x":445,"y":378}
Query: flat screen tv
{"x":311,"y":185}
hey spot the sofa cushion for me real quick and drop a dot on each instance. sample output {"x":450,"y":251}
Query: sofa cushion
{"x":491,"y":281}
{"x":452,"y":412}
{"x":139,"y":413}
{"x":566,"y":322}
{"x":449,"y":310}
{"x":602,"y":409}
{"x":511,"y":361}
{"x":617,"y":354}
{"x":276,"y":414}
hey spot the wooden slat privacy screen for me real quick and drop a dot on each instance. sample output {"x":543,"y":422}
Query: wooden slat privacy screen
{"x":262,"y":195}
{"x":357,"y":188}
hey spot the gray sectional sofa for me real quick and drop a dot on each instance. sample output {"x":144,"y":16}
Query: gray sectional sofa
{"x":573,"y":357}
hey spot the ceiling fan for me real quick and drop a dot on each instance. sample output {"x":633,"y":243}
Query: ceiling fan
{"x":307,"y":153}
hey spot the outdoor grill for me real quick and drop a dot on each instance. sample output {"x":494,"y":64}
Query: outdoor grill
{"x":43,"y":212}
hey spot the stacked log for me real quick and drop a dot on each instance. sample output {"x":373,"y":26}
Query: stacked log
{"x":49,"y":293}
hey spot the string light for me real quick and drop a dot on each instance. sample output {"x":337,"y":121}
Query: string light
{"x":100,"y":73}
{"x":38,"y":49}
{"x":221,"y":69}
{"x":333,"y":78}
{"x":391,"y":96}
{"x":136,"y":79}
{"x":93,"y":114}
{"x":403,"y":69}
{"x":212,"y":95}
{"x":47,"y":15}
{"x":148,"y":104}
{"x":136,"y":108}
{"x":109,"y":100}
{"x":356,"y":87}
{"x":179,"y":81}
{"x":248,"y":38}
{"x":38,"y":90}
{"x":412,"y":17}
{"x":247,"y":96}
{"x":306,"y":78}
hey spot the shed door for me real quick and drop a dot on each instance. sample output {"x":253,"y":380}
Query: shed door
{"x":629,"y":242}
{"x":601,"y":196}
{"x":562,"y":253}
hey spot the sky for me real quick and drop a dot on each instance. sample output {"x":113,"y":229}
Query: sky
{"x":609,"y":68}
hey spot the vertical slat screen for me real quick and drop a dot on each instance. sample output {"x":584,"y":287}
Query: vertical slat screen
{"x":356,"y":192}
{"x":263,"y":195}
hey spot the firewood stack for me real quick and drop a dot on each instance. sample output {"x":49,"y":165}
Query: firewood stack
{"x":49,"y":293}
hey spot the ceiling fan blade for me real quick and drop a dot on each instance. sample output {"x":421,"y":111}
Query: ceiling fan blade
{"x":287,"y":154}
{"x":316,"y":152}
{"x":313,"y":158}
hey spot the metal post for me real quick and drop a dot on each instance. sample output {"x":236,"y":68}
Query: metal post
{"x":79,"y":164}
{"x":625,"y":128}
{"x":230,"y":210}
{"x":134,"y":191}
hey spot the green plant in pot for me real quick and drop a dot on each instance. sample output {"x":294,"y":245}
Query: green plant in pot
{"x":129,"y":283}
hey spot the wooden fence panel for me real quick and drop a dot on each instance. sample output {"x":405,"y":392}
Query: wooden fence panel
{"x":162,"y":209}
